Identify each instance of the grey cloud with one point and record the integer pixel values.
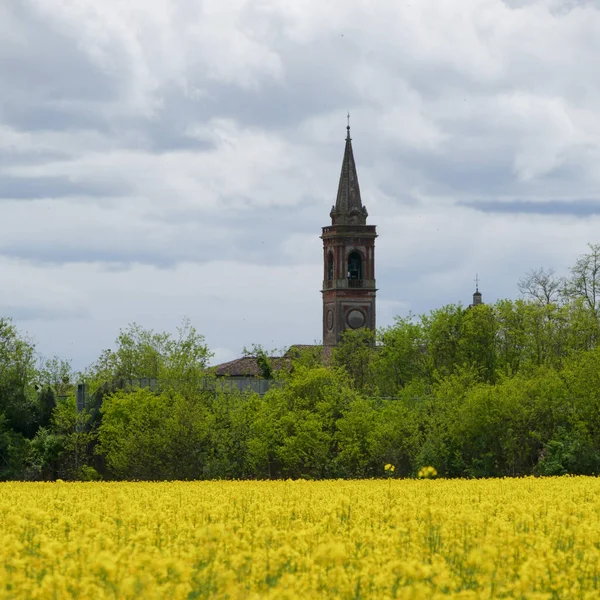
(43, 313)
(249, 241)
(122, 257)
(575, 208)
(10, 158)
(25, 114)
(47, 79)
(59, 254)
(278, 106)
(28, 188)
(457, 176)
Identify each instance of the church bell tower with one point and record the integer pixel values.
(348, 259)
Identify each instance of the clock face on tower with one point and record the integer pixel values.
(355, 319)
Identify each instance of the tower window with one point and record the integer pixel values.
(354, 266)
(330, 266)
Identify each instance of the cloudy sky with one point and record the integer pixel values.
(170, 158)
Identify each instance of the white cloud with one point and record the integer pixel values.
(162, 158)
(238, 168)
(148, 45)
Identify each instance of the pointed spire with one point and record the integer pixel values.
(348, 207)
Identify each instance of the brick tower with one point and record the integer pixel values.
(348, 259)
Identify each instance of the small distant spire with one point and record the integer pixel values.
(477, 295)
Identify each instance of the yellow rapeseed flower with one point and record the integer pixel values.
(299, 539)
(427, 472)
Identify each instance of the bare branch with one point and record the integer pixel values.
(585, 278)
(542, 286)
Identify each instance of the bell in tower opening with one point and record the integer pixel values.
(349, 258)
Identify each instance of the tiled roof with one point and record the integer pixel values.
(248, 366)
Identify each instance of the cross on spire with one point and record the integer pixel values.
(477, 293)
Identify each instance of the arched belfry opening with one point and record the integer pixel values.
(330, 266)
(349, 256)
(355, 265)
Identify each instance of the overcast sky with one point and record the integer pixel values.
(170, 158)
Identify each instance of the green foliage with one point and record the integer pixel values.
(13, 448)
(505, 389)
(175, 362)
(354, 354)
(133, 435)
(354, 438)
(477, 343)
(150, 435)
(401, 357)
(311, 356)
(294, 431)
(57, 375)
(18, 402)
(87, 473)
(569, 452)
(44, 454)
(262, 358)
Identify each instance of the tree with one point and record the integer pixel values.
(511, 338)
(229, 422)
(542, 286)
(442, 333)
(310, 356)
(293, 430)
(13, 451)
(477, 344)
(186, 359)
(58, 375)
(263, 360)
(355, 353)
(585, 278)
(133, 436)
(178, 362)
(401, 356)
(397, 435)
(78, 439)
(47, 404)
(18, 400)
(44, 454)
(353, 437)
(147, 434)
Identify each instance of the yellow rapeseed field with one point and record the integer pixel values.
(519, 538)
